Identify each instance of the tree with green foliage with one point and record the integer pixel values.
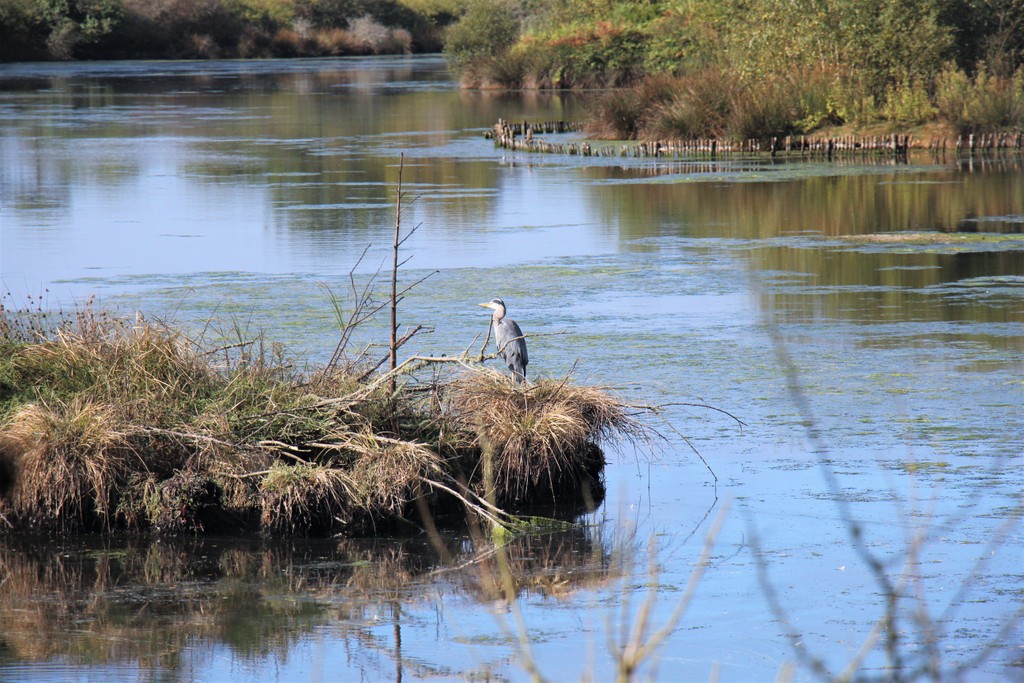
(486, 31)
(23, 30)
(126, 29)
(57, 29)
(989, 32)
(782, 66)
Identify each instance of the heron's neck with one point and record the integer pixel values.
(498, 315)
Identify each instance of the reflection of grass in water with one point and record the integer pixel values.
(152, 603)
(921, 467)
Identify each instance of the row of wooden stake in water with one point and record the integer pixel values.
(523, 136)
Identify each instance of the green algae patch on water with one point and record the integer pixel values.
(922, 467)
(938, 242)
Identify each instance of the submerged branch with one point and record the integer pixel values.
(493, 518)
(700, 405)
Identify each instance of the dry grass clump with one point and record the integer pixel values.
(390, 473)
(370, 479)
(69, 459)
(304, 498)
(545, 436)
(143, 368)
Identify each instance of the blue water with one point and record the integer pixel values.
(879, 384)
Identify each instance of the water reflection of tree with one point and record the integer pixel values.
(133, 602)
(766, 202)
(802, 235)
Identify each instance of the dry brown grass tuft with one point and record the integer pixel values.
(388, 474)
(372, 477)
(69, 459)
(544, 435)
(141, 368)
(305, 499)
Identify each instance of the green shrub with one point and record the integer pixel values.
(586, 53)
(986, 103)
(487, 30)
(999, 102)
(514, 69)
(953, 92)
(699, 108)
(23, 30)
(266, 14)
(908, 104)
(68, 29)
(852, 101)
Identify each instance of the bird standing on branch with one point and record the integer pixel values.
(509, 338)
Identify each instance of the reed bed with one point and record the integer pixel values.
(109, 424)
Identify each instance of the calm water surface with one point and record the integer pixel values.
(880, 382)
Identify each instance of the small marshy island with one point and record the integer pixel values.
(110, 424)
(115, 424)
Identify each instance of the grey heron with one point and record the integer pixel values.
(509, 338)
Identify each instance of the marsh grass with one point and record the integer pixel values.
(699, 107)
(714, 102)
(67, 459)
(628, 112)
(129, 424)
(542, 435)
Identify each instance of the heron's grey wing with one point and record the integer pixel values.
(519, 345)
(513, 347)
(503, 337)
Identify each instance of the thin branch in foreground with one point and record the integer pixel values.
(640, 647)
(706, 406)
(656, 410)
(781, 616)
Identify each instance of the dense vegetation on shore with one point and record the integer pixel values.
(680, 68)
(757, 68)
(202, 29)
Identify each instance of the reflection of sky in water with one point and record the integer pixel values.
(154, 217)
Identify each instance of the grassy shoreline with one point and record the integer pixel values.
(759, 69)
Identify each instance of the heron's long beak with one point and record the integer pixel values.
(487, 305)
